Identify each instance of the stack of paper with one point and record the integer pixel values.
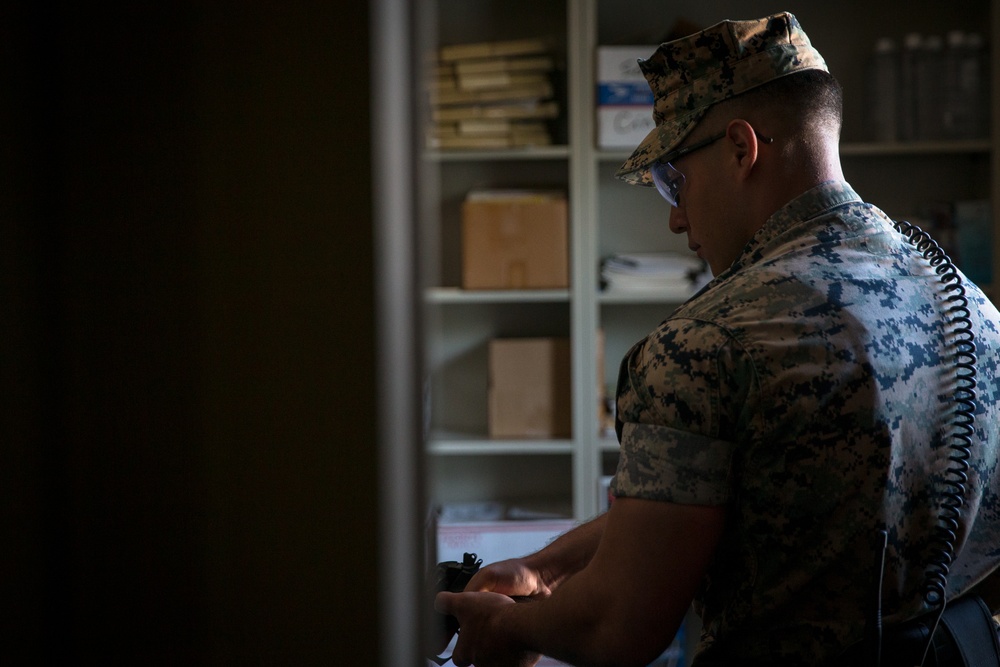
(665, 272)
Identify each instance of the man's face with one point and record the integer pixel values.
(705, 210)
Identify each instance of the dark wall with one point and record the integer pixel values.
(188, 471)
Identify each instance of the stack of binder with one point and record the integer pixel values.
(491, 95)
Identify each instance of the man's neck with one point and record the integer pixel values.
(813, 164)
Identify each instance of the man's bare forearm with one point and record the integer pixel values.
(617, 603)
(569, 553)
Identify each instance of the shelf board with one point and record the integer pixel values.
(528, 153)
(872, 148)
(456, 295)
(614, 155)
(464, 444)
(644, 296)
(916, 147)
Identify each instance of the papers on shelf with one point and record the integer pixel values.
(667, 271)
(493, 511)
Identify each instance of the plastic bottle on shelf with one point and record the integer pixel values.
(980, 74)
(908, 68)
(956, 113)
(930, 93)
(966, 85)
(883, 91)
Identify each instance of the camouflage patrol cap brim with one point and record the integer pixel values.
(689, 75)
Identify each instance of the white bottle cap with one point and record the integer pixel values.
(885, 45)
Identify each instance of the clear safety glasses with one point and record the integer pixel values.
(668, 180)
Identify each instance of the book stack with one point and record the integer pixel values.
(491, 95)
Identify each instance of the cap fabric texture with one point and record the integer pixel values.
(690, 74)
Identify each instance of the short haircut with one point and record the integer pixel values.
(811, 97)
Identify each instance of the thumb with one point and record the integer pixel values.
(444, 602)
(483, 581)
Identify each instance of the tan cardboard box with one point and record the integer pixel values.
(515, 239)
(529, 388)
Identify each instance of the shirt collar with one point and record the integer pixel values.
(810, 204)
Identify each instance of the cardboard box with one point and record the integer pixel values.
(624, 99)
(515, 240)
(529, 388)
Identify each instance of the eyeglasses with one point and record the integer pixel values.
(668, 180)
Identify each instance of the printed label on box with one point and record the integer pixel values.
(624, 93)
(623, 127)
(621, 63)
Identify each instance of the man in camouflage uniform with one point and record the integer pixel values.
(777, 423)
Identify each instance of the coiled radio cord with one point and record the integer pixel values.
(956, 476)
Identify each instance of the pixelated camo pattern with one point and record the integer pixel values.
(689, 75)
(808, 388)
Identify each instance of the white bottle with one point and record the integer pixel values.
(930, 91)
(966, 98)
(883, 92)
(976, 81)
(908, 73)
(956, 112)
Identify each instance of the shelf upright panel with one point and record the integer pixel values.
(916, 148)
(582, 36)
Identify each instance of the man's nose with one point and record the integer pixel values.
(678, 222)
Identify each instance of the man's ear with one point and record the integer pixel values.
(743, 142)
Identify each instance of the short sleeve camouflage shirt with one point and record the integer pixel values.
(809, 389)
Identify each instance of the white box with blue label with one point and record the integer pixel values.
(624, 100)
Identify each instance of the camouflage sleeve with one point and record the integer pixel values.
(683, 396)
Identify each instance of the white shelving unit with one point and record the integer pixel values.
(607, 216)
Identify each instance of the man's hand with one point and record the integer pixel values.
(512, 578)
(481, 638)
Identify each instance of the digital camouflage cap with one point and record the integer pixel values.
(689, 75)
